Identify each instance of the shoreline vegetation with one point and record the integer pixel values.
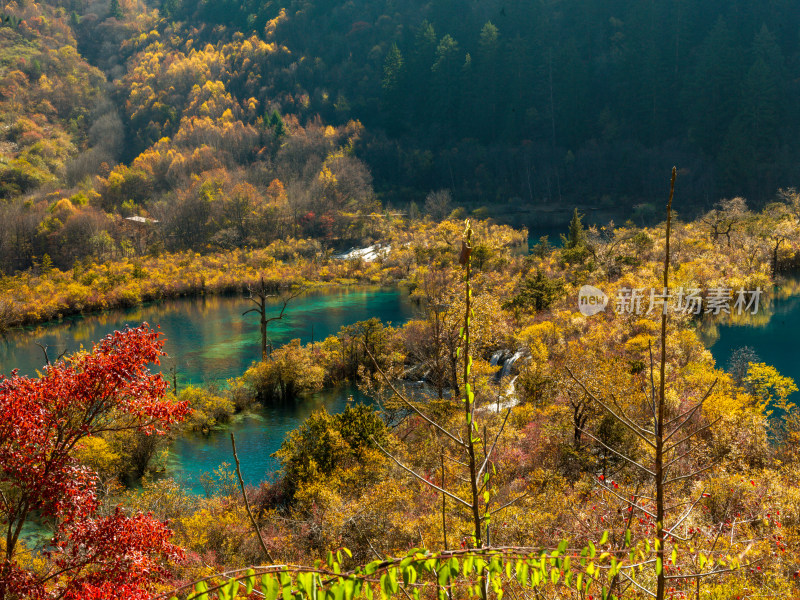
(44, 293)
(525, 336)
(527, 292)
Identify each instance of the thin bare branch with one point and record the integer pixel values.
(494, 443)
(689, 413)
(410, 405)
(645, 590)
(624, 420)
(622, 456)
(509, 503)
(695, 432)
(628, 502)
(690, 475)
(247, 503)
(421, 478)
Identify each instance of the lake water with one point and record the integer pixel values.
(258, 434)
(209, 340)
(773, 333)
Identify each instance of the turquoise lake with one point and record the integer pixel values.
(208, 340)
(773, 334)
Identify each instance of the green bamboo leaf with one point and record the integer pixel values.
(286, 585)
(522, 573)
(604, 539)
(628, 537)
(250, 581)
(349, 589)
(386, 590)
(335, 593)
(269, 587)
(443, 575)
(200, 590)
(453, 564)
(658, 566)
(469, 563)
(409, 575)
(223, 593)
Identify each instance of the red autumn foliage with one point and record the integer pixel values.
(41, 420)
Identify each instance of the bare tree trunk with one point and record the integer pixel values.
(659, 454)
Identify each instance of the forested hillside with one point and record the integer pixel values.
(262, 120)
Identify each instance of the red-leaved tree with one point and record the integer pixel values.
(108, 389)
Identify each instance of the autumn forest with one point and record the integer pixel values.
(573, 227)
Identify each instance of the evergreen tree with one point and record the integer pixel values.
(577, 236)
(712, 92)
(393, 84)
(115, 10)
(447, 70)
(277, 125)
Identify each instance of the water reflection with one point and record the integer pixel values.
(258, 435)
(773, 333)
(208, 339)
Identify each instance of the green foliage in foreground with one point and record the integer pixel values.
(470, 572)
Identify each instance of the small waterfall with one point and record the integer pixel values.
(496, 358)
(511, 390)
(510, 363)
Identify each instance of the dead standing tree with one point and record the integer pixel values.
(259, 296)
(668, 438)
(473, 448)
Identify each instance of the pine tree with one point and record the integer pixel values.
(277, 125)
(577, 236)
(393, 84)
